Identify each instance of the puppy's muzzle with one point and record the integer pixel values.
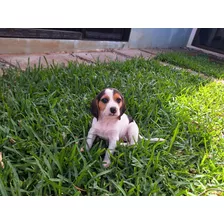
(113, 110)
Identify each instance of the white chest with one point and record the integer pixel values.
(106, 130)
(110, 128)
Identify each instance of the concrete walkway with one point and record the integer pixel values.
(91, 57)
(87, 57)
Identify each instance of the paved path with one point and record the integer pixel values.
(87, 57)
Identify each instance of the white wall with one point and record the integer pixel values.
(159, 37)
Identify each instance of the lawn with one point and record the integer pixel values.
(199, 62)
(44, 120)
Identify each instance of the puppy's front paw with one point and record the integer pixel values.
(106, 163)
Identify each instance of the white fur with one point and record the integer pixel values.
(112, 129)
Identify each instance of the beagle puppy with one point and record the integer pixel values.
(111, 123)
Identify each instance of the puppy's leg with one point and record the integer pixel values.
(133, 133)
(111, 148)
(90, 139)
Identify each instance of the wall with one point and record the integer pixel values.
(32, 46)
(139, 38)
(159, 37)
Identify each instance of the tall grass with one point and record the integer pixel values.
(44, 119)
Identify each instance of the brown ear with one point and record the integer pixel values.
(94, 105)
(122, 109)
(94, 108)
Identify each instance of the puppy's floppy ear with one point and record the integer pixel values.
(123, 108)
(94, 108)
(94, 105)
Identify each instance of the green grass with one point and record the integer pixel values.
(44, 120)
(199, 63)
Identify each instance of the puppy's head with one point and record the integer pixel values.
(108, 103)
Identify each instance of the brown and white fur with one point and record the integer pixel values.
(111, 123)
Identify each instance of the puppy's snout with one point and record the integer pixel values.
(113, 110)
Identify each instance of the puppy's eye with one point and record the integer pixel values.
(104, 100)
(118, 100)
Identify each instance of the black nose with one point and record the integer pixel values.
(113, 110)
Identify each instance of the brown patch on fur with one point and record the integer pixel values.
(95, 104)
(118, 96)
(122, 105)
(102, 105)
